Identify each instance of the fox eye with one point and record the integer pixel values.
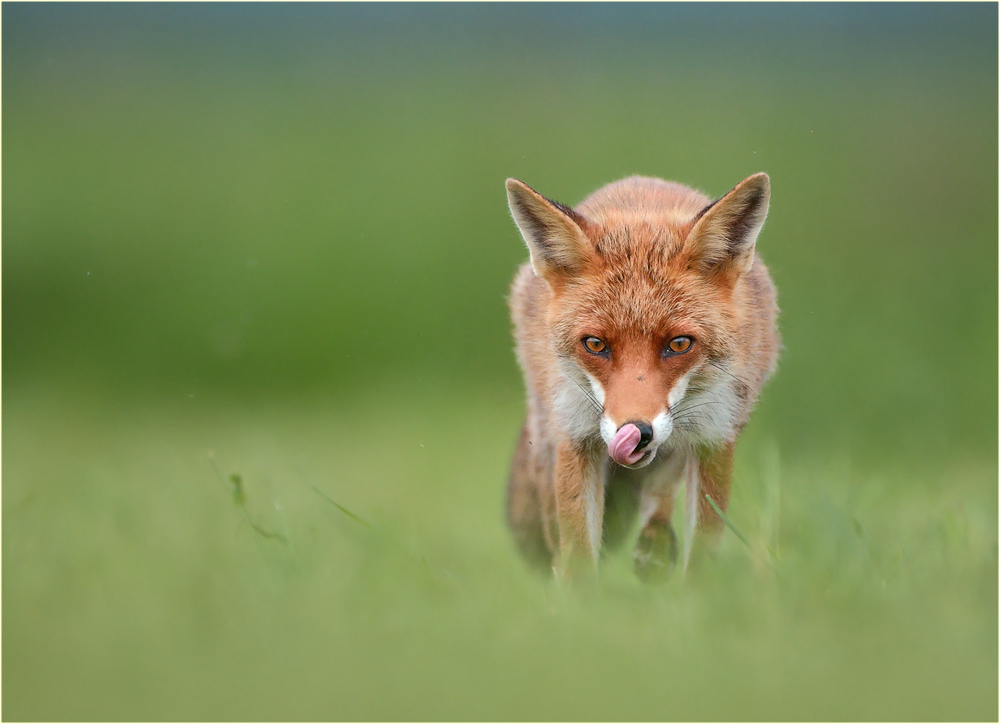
(678, 345)
(595, 346)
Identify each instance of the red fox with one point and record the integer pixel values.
(645, 325)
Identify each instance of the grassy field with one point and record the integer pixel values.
(259, 397)
(135, 587)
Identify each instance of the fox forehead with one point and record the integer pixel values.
(638, 276)
(640, 200)
(630, 300)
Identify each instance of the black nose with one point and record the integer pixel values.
(645, 431)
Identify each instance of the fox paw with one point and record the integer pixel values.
(655, 554)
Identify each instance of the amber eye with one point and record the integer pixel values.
(679, 345)
(594, 345)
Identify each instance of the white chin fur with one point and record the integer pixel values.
(663, 425)
(608, 429)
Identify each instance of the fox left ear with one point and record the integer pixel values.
(724, 234)
(554, 233)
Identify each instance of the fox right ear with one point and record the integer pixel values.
(725, 233)
(554, 233)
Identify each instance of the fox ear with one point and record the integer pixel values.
(554, 233)
(724, 234)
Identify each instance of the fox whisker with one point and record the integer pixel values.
(735, 377)
(598, 407)
(587, 393)
(682, 408)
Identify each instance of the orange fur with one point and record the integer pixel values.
(638, 263)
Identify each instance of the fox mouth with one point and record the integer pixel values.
(629, 449)
(645, 458)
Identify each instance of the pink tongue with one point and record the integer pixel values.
(622, 448)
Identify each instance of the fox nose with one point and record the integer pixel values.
(645, 432)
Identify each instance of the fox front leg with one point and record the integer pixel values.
(715, 477)
(655, 554)
(710, 475)
(579, 488)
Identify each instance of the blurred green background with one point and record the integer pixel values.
(272, 241)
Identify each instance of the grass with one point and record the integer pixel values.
(137, 587)
(259, 397)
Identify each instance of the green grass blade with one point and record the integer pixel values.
(772, 561)
(235, 485)
(341, 508)
(728, 522)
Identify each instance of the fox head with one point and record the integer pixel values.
(642, 317)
